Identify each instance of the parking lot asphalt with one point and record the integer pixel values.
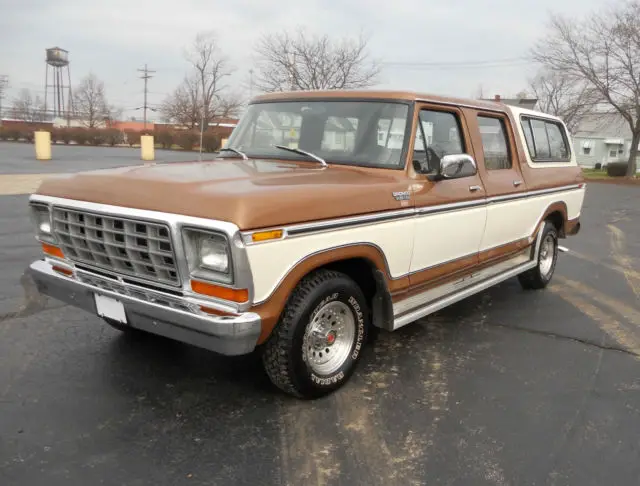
(19, 158)
(509, 387)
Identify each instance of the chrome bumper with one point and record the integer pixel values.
(230, 335)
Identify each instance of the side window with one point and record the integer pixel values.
(546, 140)
(528, 135)
(540, 139)
(439, 134)
(557, 144)
(495, 143)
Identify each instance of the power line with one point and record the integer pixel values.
(146, 76)
(496, 63)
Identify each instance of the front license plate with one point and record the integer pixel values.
(110, 308)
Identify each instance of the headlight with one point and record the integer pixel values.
(42, 220)
(208, 255)
(213, 254)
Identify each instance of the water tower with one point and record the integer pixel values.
(61, 102)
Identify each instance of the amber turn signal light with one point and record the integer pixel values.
(224, 293)
(64, 271)
(51, 250)
(267, 235)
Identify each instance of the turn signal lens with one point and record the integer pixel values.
(214, 312)
(224, 293)
(63, 270)
(51, 250)
(267, 235)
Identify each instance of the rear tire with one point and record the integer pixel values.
(317, 343)
(539, 276)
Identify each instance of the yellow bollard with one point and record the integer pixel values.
(43, 145)
(223, 142)
(146, 147)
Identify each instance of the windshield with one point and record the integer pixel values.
(365, 133)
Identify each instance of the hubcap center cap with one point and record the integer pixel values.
(331, 337)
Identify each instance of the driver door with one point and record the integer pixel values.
(452, 213)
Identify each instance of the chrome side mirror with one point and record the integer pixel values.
(456, 166)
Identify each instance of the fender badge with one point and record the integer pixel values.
(402, 196)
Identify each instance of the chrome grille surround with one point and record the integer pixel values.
(132, 247)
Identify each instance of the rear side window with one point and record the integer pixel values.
(494, 143)
(546, 140)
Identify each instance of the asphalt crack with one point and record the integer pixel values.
(586, 342)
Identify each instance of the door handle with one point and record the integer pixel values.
(474, 188)
(517, 183)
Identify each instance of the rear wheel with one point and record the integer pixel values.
(539, 276)
(317, 343)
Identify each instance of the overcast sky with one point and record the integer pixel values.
(114, 38)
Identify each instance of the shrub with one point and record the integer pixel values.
(28, 135)
(79, 136)
(617, 169)
(113, 136)
(164, 138)
(96, 136)
(187, 139)
(12, 133)
(133, 137)
(65, 135)
(3, 133)
(598, 166)
(210, 142)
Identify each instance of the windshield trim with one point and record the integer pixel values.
(407, 131)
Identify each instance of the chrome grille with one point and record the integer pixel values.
(140, 249)
(139, 293)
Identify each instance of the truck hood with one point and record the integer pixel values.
(251, 194)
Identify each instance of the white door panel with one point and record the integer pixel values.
(513, 220)
(448, 236)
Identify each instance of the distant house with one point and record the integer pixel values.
(602, 139)
(522, 102)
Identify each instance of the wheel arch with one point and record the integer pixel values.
(365, 263)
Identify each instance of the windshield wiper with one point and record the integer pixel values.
(303, 152)
(235, 151)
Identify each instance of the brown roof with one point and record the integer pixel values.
(377, 95)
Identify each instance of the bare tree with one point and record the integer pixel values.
(90, 102)
(28, 108)
(202, 95)
(300, 62)
(571, 99)
(603, 50)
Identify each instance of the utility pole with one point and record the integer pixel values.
(146, 76)
(4, 82)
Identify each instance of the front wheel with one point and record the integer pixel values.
(317, 343)
(539, 276)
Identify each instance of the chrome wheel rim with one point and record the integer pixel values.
(547, 255)
(329, 338)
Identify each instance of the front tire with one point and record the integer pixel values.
(539, 276)
(317, 343)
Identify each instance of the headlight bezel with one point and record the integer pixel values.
(191, 239)
(38, 218)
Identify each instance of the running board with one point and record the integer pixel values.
(452, 298)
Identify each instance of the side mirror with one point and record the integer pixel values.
(456, 166)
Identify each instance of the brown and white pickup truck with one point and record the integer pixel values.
(328, 215)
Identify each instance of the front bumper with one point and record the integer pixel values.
(230, 335)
